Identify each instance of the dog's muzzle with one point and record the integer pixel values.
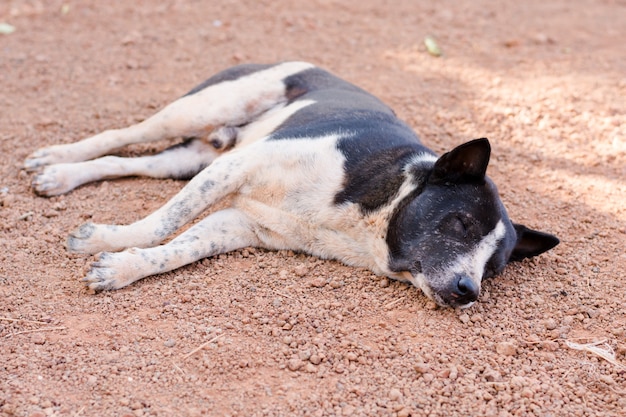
(463, 292)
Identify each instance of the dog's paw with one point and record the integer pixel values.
(44, 157)
(112, 271)
(53, 180)
(91, 238)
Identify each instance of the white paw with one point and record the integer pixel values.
(112, 271)
(53, 180)
(91, 238)
(44, 157)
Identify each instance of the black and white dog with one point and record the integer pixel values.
(313, 164)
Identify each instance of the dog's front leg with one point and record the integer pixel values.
(212, 184)
(220, 232)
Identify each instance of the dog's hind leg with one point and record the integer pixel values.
(224, 176)
(220, 232)
(234, 97)
(181, 161)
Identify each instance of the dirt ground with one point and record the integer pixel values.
(256, 333)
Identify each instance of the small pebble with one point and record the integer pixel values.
(465, 318)
(421, 368)
(506, 348)
(301, 270)
(394, 394)
(335, 284)
(404, 412)
(294, 364)
(550, 324)
(318, 282)
(315, 359)
(347, 410)
(170, 343)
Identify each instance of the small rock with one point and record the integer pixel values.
(421, 368)
(550, 346)
(476, 318)
(39, 339)
(305, 355)
(318, 282)
(301, 270)
(294, 364)
(335, 284)
(170, 343)
(506, 349)
(383, 283)
(454, 373)
(315, 359)
(527, 393)
(518, 381)
(550, 324)
(491, 375)
(465, 318)
(347, 410)
(404, 412)
(394, 394)
(607, 379)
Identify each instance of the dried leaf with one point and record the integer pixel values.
(6, 29)
(431, 46)
(599, 348)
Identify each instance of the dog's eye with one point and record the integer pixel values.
(458, 226)
(455, 225)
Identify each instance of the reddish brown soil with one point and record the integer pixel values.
(257, 333)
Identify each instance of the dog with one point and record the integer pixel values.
(314, 164)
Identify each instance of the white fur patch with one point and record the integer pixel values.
(473, 263)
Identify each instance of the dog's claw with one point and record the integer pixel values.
(101, 276)
(80, 240)
(50, 182)
(110, 271)
(38, 159)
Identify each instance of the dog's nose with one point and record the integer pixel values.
(466, 291)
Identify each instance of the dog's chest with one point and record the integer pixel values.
(290, 193)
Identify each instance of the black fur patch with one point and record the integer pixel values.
(230, 74)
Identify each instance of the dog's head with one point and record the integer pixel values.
(454, 231)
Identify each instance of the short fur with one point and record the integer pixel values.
(314, 164)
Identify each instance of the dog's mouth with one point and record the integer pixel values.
(453, 301)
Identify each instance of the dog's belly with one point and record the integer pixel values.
(290, 195)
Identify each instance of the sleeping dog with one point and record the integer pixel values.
(313, 164)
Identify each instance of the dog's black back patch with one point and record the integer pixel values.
(374, 142)
(230, 74)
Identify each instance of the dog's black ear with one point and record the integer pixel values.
(465, 163)
(531, 243)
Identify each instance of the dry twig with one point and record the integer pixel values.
(46, 329)
(202, 346)
(24, 320)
